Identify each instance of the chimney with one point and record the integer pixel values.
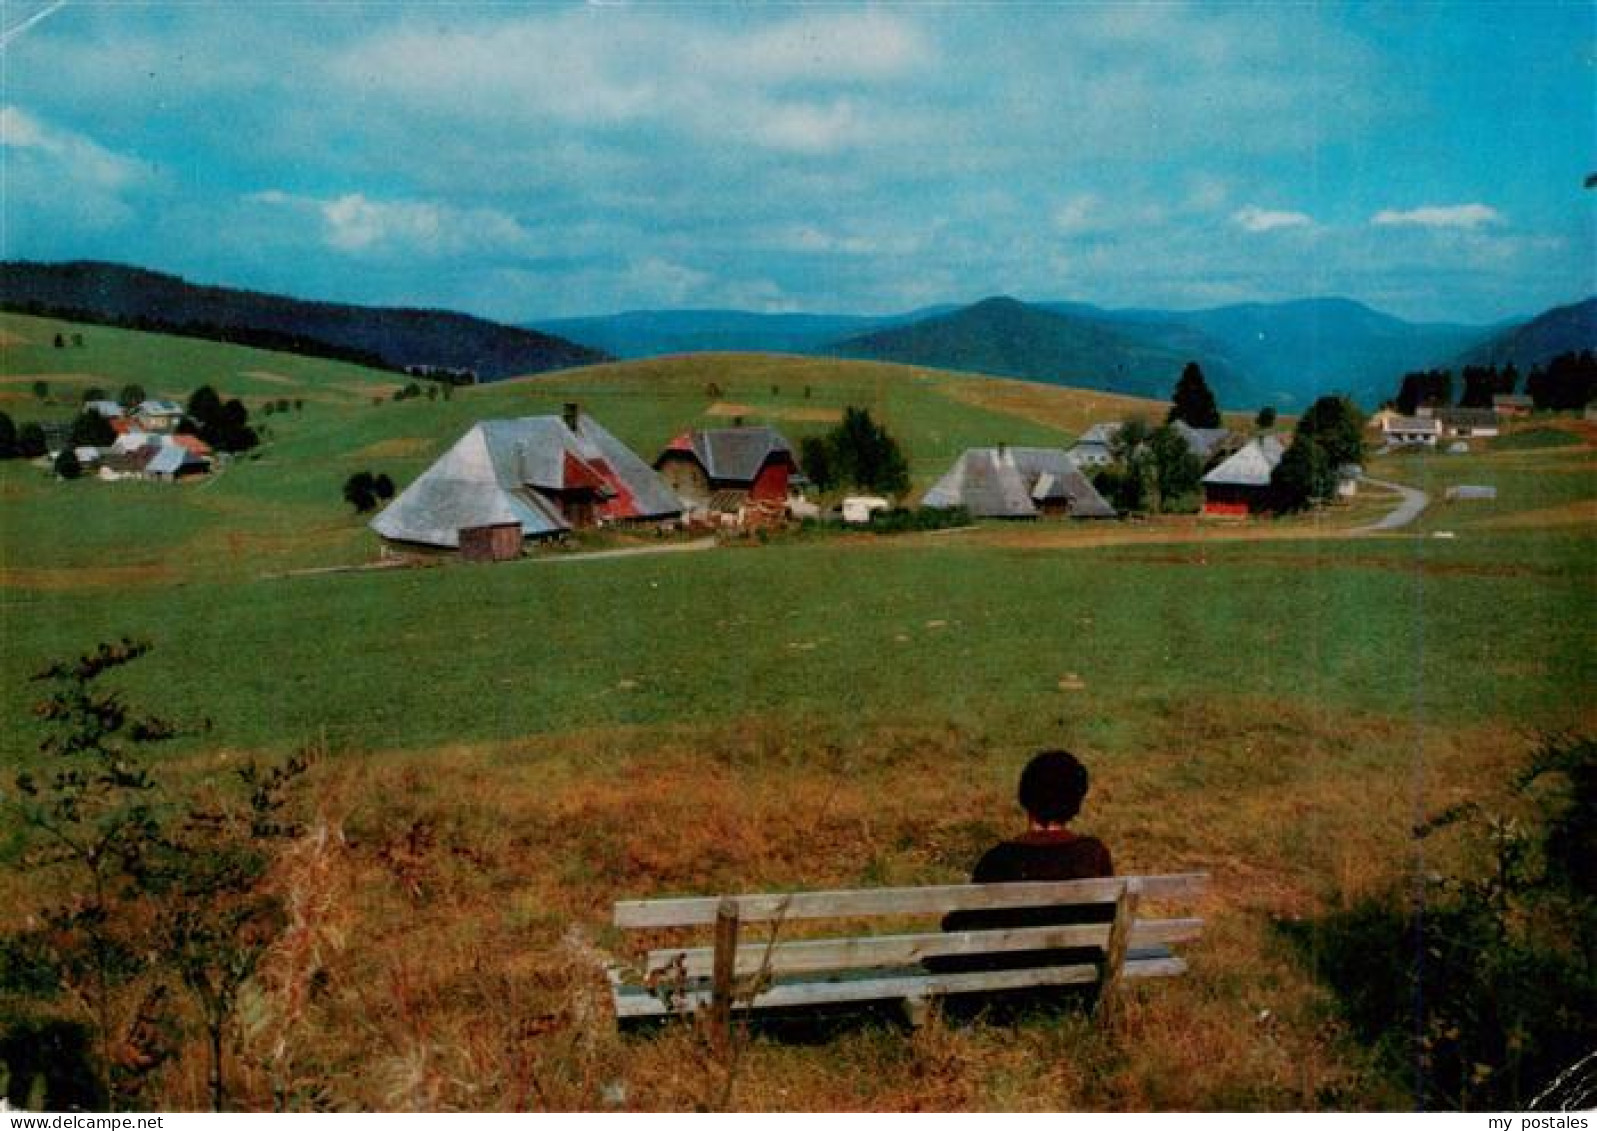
(570, 415)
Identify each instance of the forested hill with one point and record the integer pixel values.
(390, 337)
(1009, 338)
(1563, 329)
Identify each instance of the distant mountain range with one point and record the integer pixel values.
(659, 333)
(389, 337)
(1284, 354)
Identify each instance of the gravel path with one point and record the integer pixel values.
(1413, 504)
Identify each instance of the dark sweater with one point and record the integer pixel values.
(1042, 856)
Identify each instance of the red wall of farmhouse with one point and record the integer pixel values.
(770, 483)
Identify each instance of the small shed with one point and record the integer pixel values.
(858, 509)
(1512, 404)
(500, 542)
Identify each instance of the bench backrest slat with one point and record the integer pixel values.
(635, 1004)
(808, 956)
(699, 911)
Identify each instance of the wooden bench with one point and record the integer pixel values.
(746, 975)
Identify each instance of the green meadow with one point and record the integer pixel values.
(1275, 702)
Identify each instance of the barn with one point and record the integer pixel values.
(543, 475)
(1241, 485)
(722, 469)
(1005, 482)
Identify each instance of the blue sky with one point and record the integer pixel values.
(523, 161)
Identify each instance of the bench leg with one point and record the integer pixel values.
(721, 989)
(1114, 959)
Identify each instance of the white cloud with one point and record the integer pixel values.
(1078, 215)
(609, 71)
(1256, 219)
(83, 159)
(837, 47)
(355, 223)
(1467, 216)
(56, 179)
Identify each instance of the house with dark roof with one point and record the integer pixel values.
(1005, 482)
(537, 477)
(1467, 422)
(724, 469)
(1208, 443)
(1241, 484)
(1096, 447)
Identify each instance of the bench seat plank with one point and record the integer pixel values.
(701, 911)
(815, 955)
(636, 1002)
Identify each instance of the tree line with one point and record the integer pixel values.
(1567, 382)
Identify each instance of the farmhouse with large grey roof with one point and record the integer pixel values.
(540, 476)
(1241, 485)
(1005, 482)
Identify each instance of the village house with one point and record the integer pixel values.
(1401, 431)
(724, 470)
(1241, 484)
(506, 481)
(110, 410)
(1513, 404)
(1466, 423)
(1096, 446)
(156, 456)
(1023, 483)
(158, 415)
(1095, 449)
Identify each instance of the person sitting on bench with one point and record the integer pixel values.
(1052, 789)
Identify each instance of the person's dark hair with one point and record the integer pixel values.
(1052, 786)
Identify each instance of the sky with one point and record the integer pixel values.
(528, 161)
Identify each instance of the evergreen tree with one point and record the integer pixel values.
(815, 457)
(1266, 418)
(1433, 387)
(863, 455)
(1175, 470)
(1337, 426)
(1304, 476)
(67, 465)
(90, 429)
(1192, 401)
(8, 437)
(31, 443)
(132, 395)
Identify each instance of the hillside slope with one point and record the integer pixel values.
(1564, 329)
(394, 337)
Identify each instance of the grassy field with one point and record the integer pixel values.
(504, 751)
